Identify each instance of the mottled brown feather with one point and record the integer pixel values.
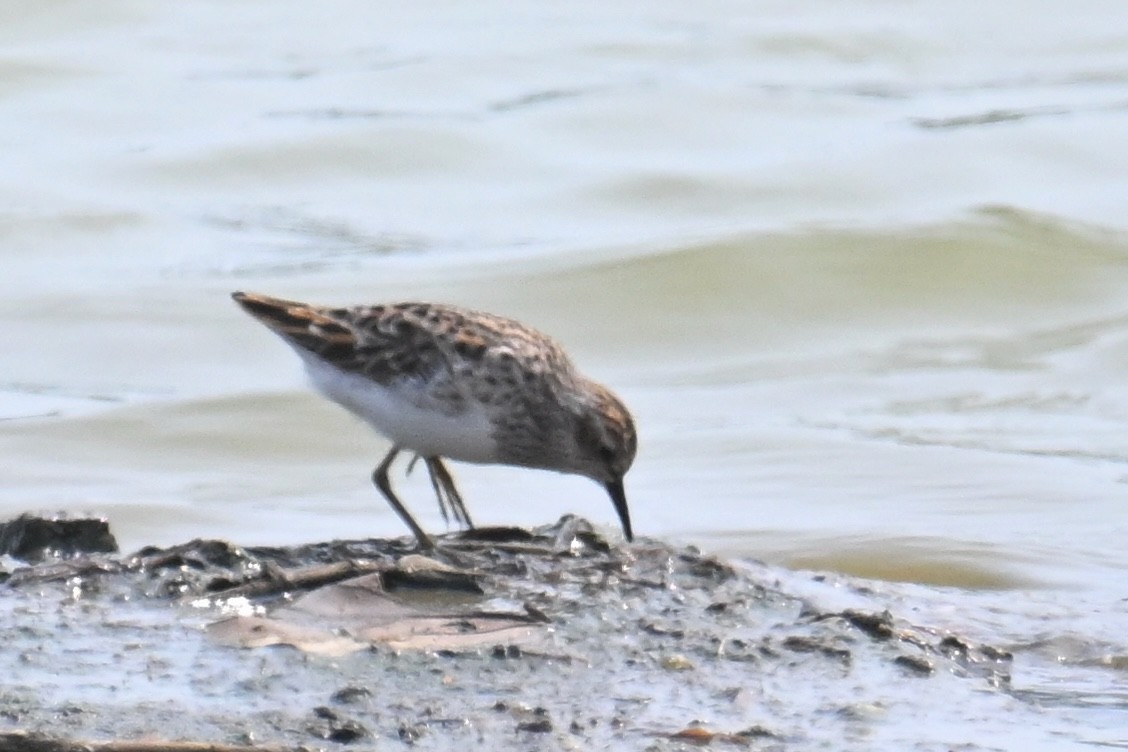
(542, 412)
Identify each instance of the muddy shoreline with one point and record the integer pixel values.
(509, 639)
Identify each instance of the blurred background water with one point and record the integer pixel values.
(858, 268)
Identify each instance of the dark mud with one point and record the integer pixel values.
(554, 639)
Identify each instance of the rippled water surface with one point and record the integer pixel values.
(859, 270)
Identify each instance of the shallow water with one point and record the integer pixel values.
(858, 270)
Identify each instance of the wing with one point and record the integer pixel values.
(458, 355)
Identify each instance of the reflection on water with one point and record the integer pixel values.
(942, 562)
(860, 276)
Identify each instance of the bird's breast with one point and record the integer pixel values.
(409, 415)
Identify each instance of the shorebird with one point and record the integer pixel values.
(441, 381)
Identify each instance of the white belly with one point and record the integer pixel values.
(398, 417)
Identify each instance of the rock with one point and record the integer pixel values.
(34, 538)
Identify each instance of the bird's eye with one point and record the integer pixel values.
(607, 454)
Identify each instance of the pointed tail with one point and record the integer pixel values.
(302, 325)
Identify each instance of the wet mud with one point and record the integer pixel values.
(500, 639)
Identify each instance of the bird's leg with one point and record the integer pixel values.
(380, 478)
(446, 509)
(447, 492)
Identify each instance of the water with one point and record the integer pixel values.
(858, 269)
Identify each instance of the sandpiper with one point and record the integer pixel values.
(446, 382)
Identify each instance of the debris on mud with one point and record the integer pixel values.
(500, 638)
(36, 538)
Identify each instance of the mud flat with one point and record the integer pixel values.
(506, 639)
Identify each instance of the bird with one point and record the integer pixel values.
(445, 382)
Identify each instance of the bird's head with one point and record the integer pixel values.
(606, 444)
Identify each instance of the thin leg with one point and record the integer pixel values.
(380, 478)
(447, 492)
(445, 508)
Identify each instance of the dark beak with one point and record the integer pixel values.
(619, 499)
